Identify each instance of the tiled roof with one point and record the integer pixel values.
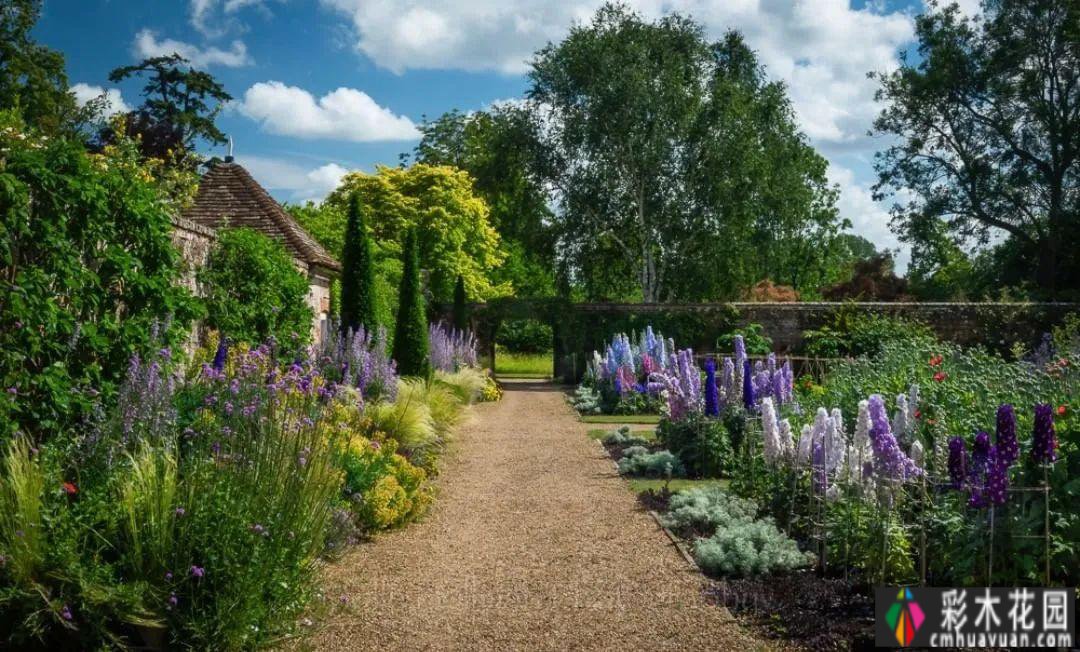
(228, 195)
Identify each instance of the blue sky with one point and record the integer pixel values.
(326, 86)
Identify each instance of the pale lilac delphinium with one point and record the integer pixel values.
(680, 383)
(450, 348)
(770, 431)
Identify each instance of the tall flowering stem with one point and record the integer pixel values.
(1044, 439)
(450, 348)
(712, 392)
(889, 460)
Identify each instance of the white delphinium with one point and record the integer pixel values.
(913, 403)
(900, 422)
(787, 439)
(833, 442)
(770, 432)
(918, 454)
(806, 443)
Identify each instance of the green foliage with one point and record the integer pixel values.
(22, 538)
(525, 336)
(407, 420)
(669, 151)
(852, 333)
(358, 290)
(703, 444)
(89, 266)
(254, 291)
(499, 149)
(411, 330)
(33, 82)
(757, 342)
(638, 460)
(460, 313)
(974, 141)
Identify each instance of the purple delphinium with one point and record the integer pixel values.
(681, 380)
(451, 348)
(712, 392)
(1044, 439)
(1008, 448)
(221, 355)
(981, 454)
(997, 478)
(748, 387)
(957, 462)
(889, 460)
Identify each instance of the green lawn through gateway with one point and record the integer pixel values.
(599, 433)
(523, 365)
(621, 418)
(638, 485)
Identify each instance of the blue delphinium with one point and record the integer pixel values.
(712, 392)
(749, 400)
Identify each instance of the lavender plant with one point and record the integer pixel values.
(451, 349)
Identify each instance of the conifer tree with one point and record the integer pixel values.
(357, 274)
(460, 315)
(411, 332)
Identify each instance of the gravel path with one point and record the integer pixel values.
(533, 543)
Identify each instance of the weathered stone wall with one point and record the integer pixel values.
(194, 242)
(319, 301)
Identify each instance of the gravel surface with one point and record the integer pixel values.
(533, 543)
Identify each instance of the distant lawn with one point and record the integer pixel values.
(598, 433)
(638, 485)
(621, 418)
(524, 365)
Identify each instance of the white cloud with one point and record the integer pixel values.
(295, 182)
(114, 102)
(344, 114)
(147, 45)
(868, 218)
(213, 18)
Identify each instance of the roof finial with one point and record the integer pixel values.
(229, 156)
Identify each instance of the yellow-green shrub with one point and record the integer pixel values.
(385, 489)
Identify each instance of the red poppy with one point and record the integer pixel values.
(936, 360)
(1062, 410)
(940, 376)
(918, 414)
(69, 488)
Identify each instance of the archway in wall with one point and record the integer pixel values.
(524, 348)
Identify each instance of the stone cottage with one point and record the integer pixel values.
(229, 196)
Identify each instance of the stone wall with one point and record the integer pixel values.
(194, 242)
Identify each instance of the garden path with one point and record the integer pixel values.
(533, 543)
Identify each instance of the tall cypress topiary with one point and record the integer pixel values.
(411, 332)
(461, 316)
(357, 273)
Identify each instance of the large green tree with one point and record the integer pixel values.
(179, 109)
(500, 149)
(677, 167)
(358, 290)
(33, 80)
(454, 231)
(986, 120)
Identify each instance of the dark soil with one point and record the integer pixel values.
(657, 500)
(802, 609)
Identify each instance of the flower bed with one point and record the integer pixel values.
(199, 510)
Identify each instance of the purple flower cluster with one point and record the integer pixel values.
(146, 397)
(359, 359)
(627, 365)
(988, 473)
(1044, 439)
(958, 462)
(680, 381)
(450, 348)
(764, 379)
(889, 460)
(1008, 447)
